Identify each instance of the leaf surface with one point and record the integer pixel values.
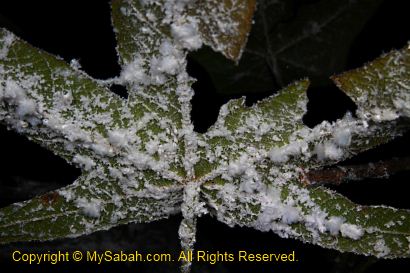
(90, 204)
(259, 182)
(142, 161)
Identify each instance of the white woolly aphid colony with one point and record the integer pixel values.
(142, 160)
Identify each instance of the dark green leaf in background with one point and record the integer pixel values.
(291, 40)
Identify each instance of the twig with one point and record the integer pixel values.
(339, 174)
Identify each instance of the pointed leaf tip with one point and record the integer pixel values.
(381, 88)
(227, 30)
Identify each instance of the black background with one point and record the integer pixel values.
(82, 30)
